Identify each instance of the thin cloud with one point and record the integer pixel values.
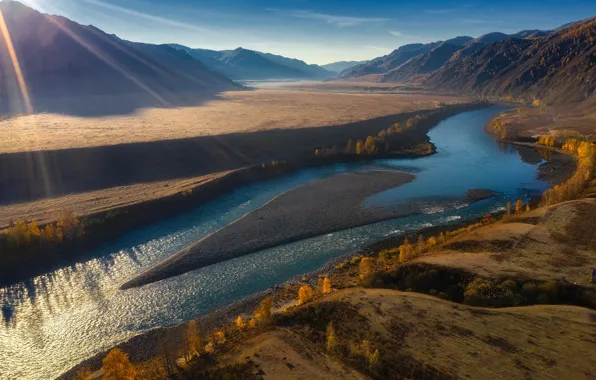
(396, 33)
(377, 48)
(339, 21)
(438, 11)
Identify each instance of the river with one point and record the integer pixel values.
(51, 322)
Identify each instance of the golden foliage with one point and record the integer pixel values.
(264, 311)
(305, 294)
(240, 323)
(547, 140)
(519, 207)
(117, 366)
(326, 286)
(365, 267)
(332, 340)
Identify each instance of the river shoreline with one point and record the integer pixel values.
(110, 224)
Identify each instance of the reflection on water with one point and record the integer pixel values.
(53, 321)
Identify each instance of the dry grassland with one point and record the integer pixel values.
(235, 111)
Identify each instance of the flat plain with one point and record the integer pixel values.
(231, 112)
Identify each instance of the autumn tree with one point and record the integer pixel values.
(84, 373)
(519, 207)
(528, 208)
(508, 208)
(326, 286)
(351, 147)
(191, 341)
(264, 311)
(332, 340)
(305, 294)
(370, 145)
(406, 251)
(240, 322)
(365, 267)
(117, 366)
(359, 147)
(252, 323)
(374, 358)
(168, 351)
(421, 245)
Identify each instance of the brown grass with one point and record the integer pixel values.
(466, 342)
(235, 111)
(547, 243)
(47, 210)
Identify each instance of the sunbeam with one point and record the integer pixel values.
(15, 64)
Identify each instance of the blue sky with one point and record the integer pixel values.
(316, 31)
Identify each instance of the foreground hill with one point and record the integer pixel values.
(60, 58)
(243, 64)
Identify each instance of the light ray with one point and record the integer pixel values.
(15, 64)
(109, 61)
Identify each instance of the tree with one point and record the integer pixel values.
(84, 373)
(305, 294)
(528, 208)
(421, 245)
(326, 286)
(359, 147)
(117, 366)
(252, 323)
(332, 341)
(508, 208)
(191, 340)
(264, 310)
(240, 323)
(34, 231)
(374, 358)
(370, 145)
(519, 207)
(365, 267)
(431, 242)
(351, 148)
(50, 232)
(405, 251)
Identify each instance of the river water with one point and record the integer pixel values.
(51, 322)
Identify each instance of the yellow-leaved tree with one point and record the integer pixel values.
(326, 286)
(332, 341)
(365, 268)
(305, 294)
(117, 366)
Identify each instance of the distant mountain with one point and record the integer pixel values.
(395, 59)
(314, 71)
(60, 58)
(338, 67)
(413, 62)
(558, 68)
(242, 64)
(425, 63)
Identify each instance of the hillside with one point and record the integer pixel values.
(243, 64)
(388, 62)
(425, 63)
(558, 68)
(60, 58)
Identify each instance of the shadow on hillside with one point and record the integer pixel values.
(109, 105)
(34, 175)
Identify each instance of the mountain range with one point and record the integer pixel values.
(556, 66)
(245, 64)
(57, 58)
